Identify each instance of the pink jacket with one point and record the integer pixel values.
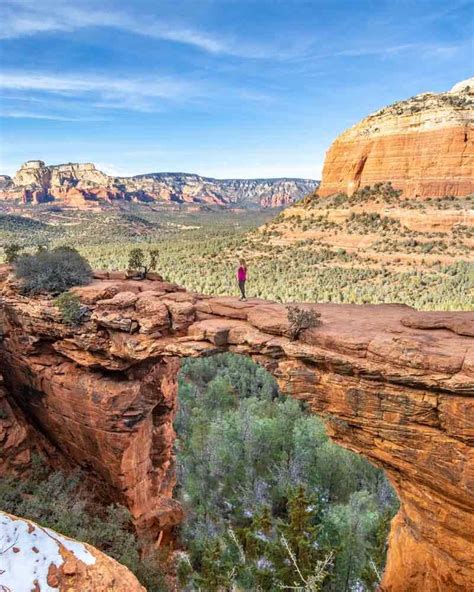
(242, 274)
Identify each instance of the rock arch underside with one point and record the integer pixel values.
(393, 384)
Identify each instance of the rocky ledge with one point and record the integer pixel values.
(393, 384)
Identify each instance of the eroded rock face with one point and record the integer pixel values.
(393, 384)
(82, 185)
(39, 559)
(424, 146)
(15, 445)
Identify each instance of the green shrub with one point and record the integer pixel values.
(70, 307)
(52, 271)
(12, 252)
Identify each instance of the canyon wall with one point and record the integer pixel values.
(393, 384)
(424, 146)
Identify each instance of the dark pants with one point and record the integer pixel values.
(242, 287)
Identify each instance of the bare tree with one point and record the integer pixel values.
(301, 319)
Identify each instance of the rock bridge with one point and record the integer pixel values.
(393, 384)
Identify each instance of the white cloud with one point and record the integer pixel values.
(383, 50)
(13, 114)
(23, 18)
(77, 84)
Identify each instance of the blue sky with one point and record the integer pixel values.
(225, 88)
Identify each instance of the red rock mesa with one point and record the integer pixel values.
(424, 146)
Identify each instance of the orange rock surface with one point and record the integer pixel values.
(15, 445)
(424, 146)
(393, 384)
(39, 559)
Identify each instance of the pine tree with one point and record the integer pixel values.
(257, 538)
(301, 535)
(212, 577)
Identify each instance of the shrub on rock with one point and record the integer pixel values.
(301, 319)
(141, 263)
(70, 307)
(52, 271)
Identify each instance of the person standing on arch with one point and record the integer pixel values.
(242, 278)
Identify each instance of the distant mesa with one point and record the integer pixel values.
(82, 186)
(423, 145)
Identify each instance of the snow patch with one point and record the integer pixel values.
(27, 551)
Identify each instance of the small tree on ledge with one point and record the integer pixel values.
(301, 319)
(142, 263)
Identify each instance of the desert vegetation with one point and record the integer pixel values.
(52, 271)
(337, 249)
(349, 249)
(70, 307)
(141, 262)
(270, 501)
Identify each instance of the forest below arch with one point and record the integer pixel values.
(270, 501)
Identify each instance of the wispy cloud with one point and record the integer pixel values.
(80, 96)
(13, 114)
(79, 83)
(22, 18)
(378, 50)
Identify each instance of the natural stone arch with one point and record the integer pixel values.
(393, 384)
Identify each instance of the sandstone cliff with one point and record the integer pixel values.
(39, 559)
(424, 146)
(80, 185)
(393, 384)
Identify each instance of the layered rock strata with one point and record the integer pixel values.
(423, 145)
(81, 185)
(393, 384)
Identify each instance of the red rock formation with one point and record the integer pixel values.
(82, 185)
(39, 559)
(393, 384)
(424, 146)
